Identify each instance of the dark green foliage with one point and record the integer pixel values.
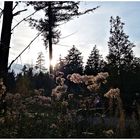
(23, 84)
(122, 64)
(120, 55)
(74, 62)
(28, 80)
(43, 81)
(95, 63)
(10, 81)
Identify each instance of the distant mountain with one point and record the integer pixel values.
(17, 68)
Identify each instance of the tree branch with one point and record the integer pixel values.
(68, 35)
(15, 5)
(18, 12)
(87, 11)
(24, 49)
(24, 19)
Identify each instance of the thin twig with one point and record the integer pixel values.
(15, 5)
(88, 11)
(23, 20)
(68, 35)
(63, 45)
(25, 49)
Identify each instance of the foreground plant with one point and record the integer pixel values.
(92, 82)
(2, 97)
(114, 96)
(62, 114)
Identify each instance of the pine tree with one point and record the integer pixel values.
(56, 13)
(74, 62)
(120, 57)
(40, 62)
(120, 48)
(95, 62)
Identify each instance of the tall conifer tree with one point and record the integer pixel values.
(74, 62)
(120, 55)
(95, 62)
(56, 13)
(40, 62)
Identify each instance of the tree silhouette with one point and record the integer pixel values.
(73, 62)
(11, 81)
(120, 57)
(120, 48)
(5, 37)
(40, 62)
(8, 14)
(56, 13)
(95, 62)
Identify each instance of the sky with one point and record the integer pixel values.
(87, 31)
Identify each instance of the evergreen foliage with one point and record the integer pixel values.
(120, 55)
(95, 62)
(56, 13)
(10, 81)
(121, 61)
(74, 62)
(40, 62)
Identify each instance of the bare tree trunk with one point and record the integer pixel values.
(50, 36)
(5, 37)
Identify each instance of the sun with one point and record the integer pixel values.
(53, 63)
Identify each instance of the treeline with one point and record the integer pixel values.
(121, 64)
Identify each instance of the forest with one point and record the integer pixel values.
(100, 99)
